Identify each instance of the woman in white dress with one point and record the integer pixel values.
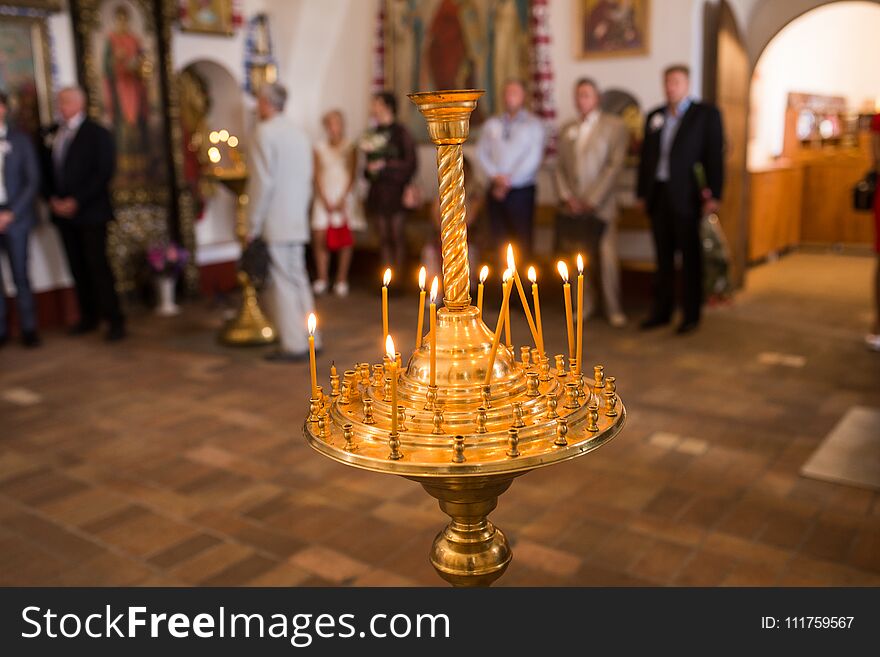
(334, 211)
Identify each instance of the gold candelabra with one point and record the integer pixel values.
(249, 326)
(487, 419)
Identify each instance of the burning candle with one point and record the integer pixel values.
(502, 314)
(313, 324)
(386, 281)
(566, 288)
(579, 352)
(511, 265)
(533, 277)
(433, 319)
(484, 274)
(392, 366)
(421, 324)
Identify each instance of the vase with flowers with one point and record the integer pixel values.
(167, 261)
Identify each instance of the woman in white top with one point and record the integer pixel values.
(334, 207)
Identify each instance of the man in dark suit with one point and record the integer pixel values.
(80, 161)
(19, 185)
(679, 136)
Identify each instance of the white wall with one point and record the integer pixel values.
(803, 58)
(676, 36)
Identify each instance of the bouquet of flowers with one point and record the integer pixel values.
(717, 286)
(374, 144)
(167, 259)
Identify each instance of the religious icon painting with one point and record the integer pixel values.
(456, 44)
(208, 16)
(611, 28)
(25, 70)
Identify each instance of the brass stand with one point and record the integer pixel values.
(464, 441)
(249, 327)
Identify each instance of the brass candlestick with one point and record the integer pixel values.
(465, 442)
(250, 326)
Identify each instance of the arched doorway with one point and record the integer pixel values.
(810, 97)
(756, 54)
(212, 99)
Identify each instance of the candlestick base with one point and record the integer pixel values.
(470, 551)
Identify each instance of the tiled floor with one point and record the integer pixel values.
(170, 460)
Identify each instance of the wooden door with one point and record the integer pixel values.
(726, 76)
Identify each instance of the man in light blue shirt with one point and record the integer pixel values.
(510, 150)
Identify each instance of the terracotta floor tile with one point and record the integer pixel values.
(704, 569)
(549, 560)
(58, 540)
(328, 564)
(186, 549)
(661, 563)
(210, 562)
(829, 540)
(147, 534)
(241, 572)
(283, 574)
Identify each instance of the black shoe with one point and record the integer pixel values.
(30, 339)
(82, 328)
(115, 333)
(687, 327)
(286, 357)
(653, 322)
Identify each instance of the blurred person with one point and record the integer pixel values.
(279, 189)
(334, 209)
(873, 338)
(390, 169)
(19, 185)
(80, 163)
(592, 151)
(678, 136)
(510, 150)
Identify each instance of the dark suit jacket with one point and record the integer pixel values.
(21, 177)
(85, 173)
(699, 138)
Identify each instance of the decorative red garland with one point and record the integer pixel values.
(542, 71)
(379, 51)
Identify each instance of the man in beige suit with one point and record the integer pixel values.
(592, 149)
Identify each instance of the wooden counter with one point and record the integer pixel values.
(808, 201)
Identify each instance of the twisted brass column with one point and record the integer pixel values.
(448, 115)
(453, 227)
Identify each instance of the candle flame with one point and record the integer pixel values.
(563, 270)
(533, 275)
(423, 273)
(386, 278)
(435, 284)
(580, 263)
(389, 348)
(511, 262)
(506, 276)
(313, 323)
(484, 274)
